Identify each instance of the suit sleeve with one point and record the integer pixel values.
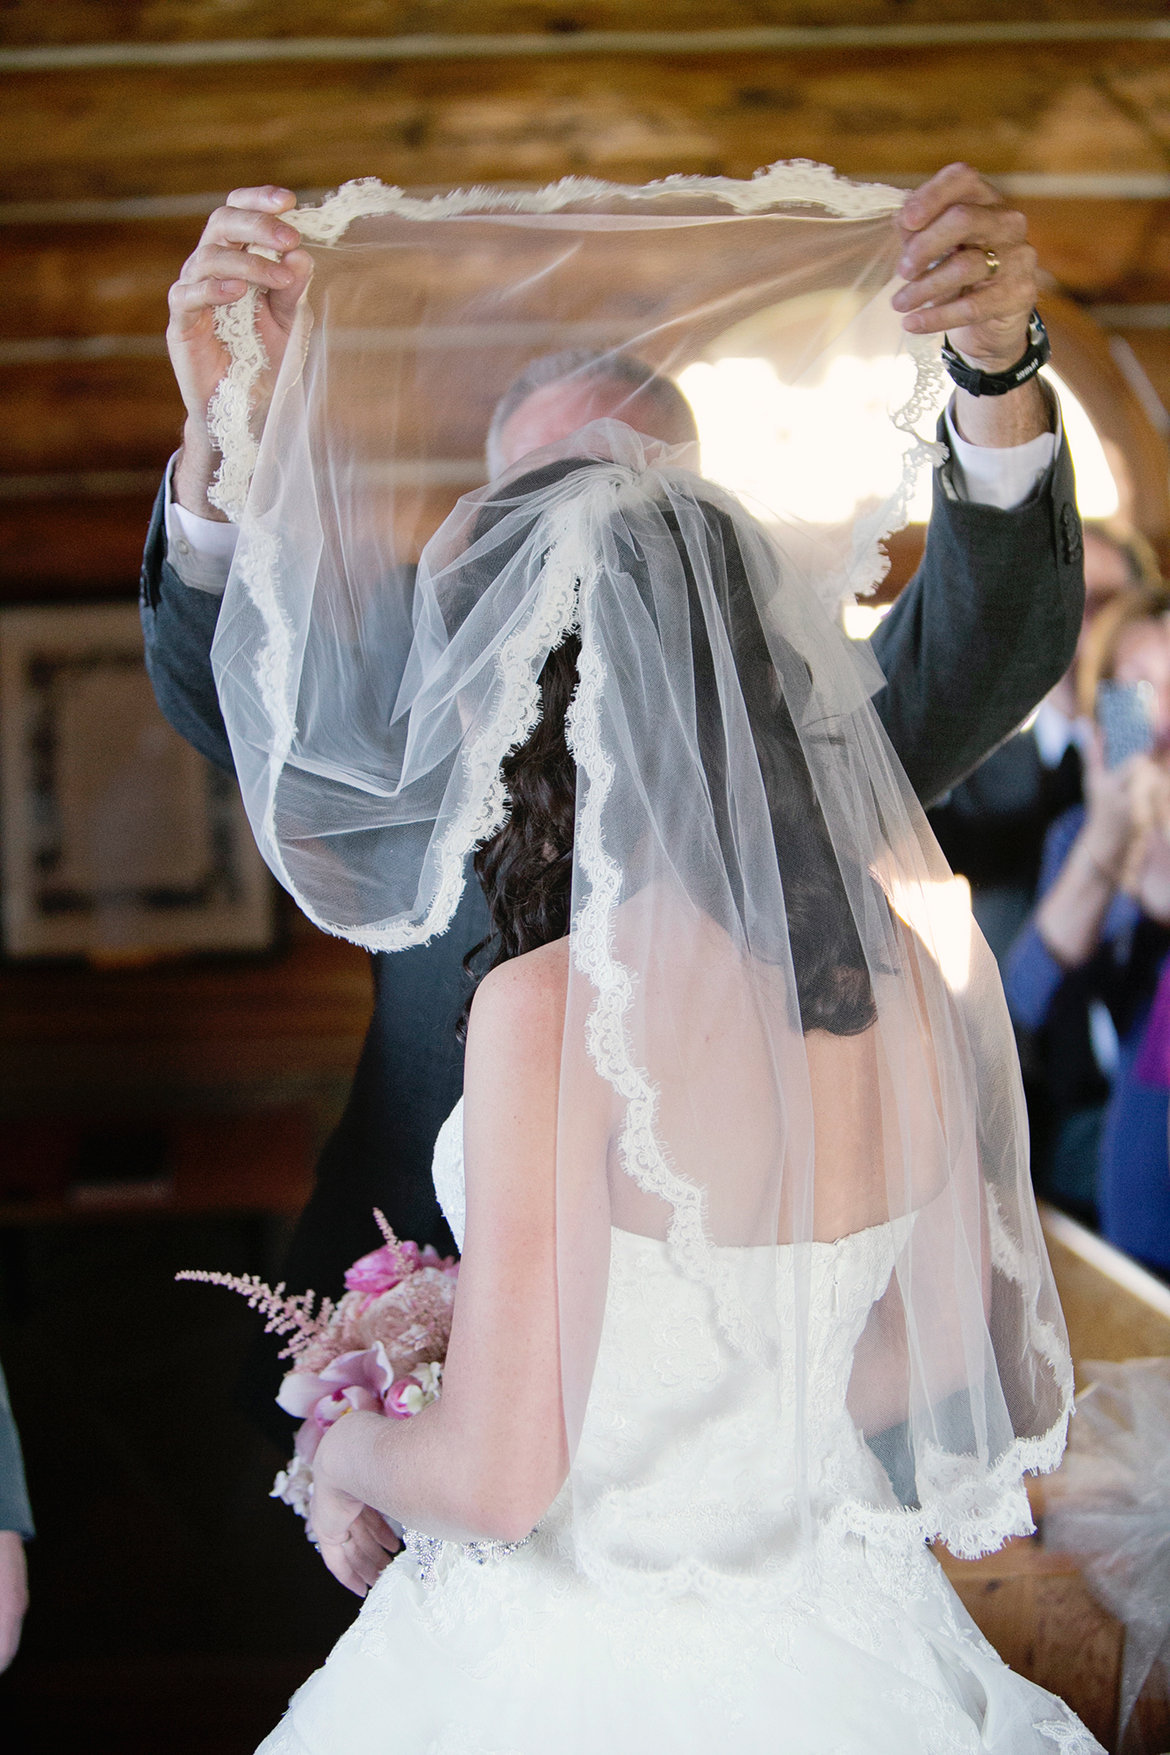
(178, 626)
(15, 1511)
(983, 630)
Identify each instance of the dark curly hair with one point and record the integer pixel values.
(526, 868)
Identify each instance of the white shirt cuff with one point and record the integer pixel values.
(199, 549)
(993, 475)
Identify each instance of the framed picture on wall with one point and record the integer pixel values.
(117, 839)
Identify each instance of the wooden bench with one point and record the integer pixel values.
(1031, 1602)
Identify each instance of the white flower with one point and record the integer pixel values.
(295, 1486)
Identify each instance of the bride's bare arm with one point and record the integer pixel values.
(487, 1459)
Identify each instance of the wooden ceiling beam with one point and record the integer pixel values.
(107, 283)
(557, 27)
(143, 133)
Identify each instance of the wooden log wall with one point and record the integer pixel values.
(122, 123)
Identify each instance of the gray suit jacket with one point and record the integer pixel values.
(983, 630)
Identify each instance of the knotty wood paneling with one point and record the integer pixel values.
(1103, 251)
(132, 132)
(88, 414)
(1152, 348)
(193, 1025)
(71, 546)
(81, 280)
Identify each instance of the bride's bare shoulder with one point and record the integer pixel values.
(520, 1005)
(511, 1075)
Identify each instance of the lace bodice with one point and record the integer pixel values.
(689, 1460)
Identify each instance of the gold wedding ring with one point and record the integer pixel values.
(992, 261)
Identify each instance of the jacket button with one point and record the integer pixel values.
(1070, 534)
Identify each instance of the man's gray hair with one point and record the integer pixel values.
(585, 366)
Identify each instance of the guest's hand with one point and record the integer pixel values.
(355, 1541)
(13, 1594)
(1114, 810)
(1126, 819)
(1152, 888)
(218, 272)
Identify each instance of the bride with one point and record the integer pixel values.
(753, 1302)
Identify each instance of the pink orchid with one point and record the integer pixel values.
(411, 1394)
(351, 1382)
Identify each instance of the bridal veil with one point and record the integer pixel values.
(779, 1035)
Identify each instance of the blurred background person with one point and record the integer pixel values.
(992, 825)
(992, 828)
(16, 1526)
(1082, 974)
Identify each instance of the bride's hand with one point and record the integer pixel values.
(355, 1541)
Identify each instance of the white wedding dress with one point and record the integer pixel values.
(510, 1651)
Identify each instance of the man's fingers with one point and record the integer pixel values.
(953, 184)
(1010, 288)
(241, 226)
(268, 197)
(962, 227)
(969, 310)
(190, 302)
(210, 262)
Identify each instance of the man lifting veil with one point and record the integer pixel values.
(978, 636)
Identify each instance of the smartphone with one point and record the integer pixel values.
(1125, 713)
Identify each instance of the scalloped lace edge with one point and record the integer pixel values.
(607, 1037)
(798, 182)
(801, 182)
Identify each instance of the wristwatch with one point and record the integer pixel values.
(978, 383)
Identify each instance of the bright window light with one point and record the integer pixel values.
(817, 452)
(1097, 495)
(813, 452)
(939, 912)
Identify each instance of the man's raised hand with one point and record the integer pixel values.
(948, 226)
(218, 272)
(971, 273)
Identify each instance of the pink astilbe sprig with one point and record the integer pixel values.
(284, 1312)
(378, 1349)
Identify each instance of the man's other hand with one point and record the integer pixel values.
(218, 272)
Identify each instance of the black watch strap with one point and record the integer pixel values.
(978, 383)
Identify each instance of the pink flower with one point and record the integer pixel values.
(410, 1395)
(355, 1381)
(382, 1268)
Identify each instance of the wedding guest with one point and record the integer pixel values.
(992, 825)
(16, 1526)
(992, 828)
(1097, 941)
(1135, 1150)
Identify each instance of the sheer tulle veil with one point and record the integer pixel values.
(777, 1034)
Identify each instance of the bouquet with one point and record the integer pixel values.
(380, 1349)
